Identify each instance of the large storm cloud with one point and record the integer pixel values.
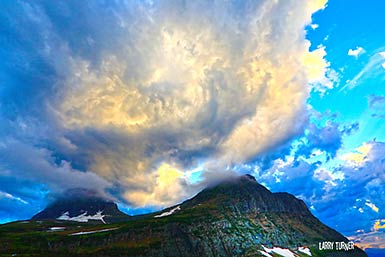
(133, 96)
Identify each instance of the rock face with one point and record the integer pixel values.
(234, 218)
(244, 196)
(82, 206)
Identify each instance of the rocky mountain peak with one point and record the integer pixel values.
(81, 205)
(245, 195)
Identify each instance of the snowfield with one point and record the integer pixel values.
(82, 217)
(167, 213)
(57, 228)
(265, 253)
(283, 252)
(92, 232)
(304, 250)
(280, 251)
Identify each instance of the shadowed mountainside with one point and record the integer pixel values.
(82, 206)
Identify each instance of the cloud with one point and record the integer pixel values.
(373, 239)
(321, 76)
(359, 156)
(356, 52)
(160, 193)
(297, 176)
(362, 186)
(376, 101)
(325, 138)
(19, 198)
(12, 197)
(36, 164)
(379, 224)
(372, 206)
(346, 187)
(372, 69)
(132, 95)
(314, 26)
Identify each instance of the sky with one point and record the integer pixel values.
(148, 102)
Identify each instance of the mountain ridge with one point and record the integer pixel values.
(82, 206)
(238, 217)
(246, 188)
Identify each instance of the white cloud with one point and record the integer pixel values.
(12, 197)
(359, 156)
(314, 26)
(163, 188)
(372, 206)
(372, 69)
(321, 77)
(356, 52)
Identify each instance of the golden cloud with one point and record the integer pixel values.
(192, 77)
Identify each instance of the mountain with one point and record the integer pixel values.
(238, 217)
(82, 205)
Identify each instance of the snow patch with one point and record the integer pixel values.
(82, 217)
(280, 251)
(57, 228)
(304, 250)
(265, 253)
(167, 213)
(92, 232)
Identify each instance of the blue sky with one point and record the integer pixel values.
(148, 102)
